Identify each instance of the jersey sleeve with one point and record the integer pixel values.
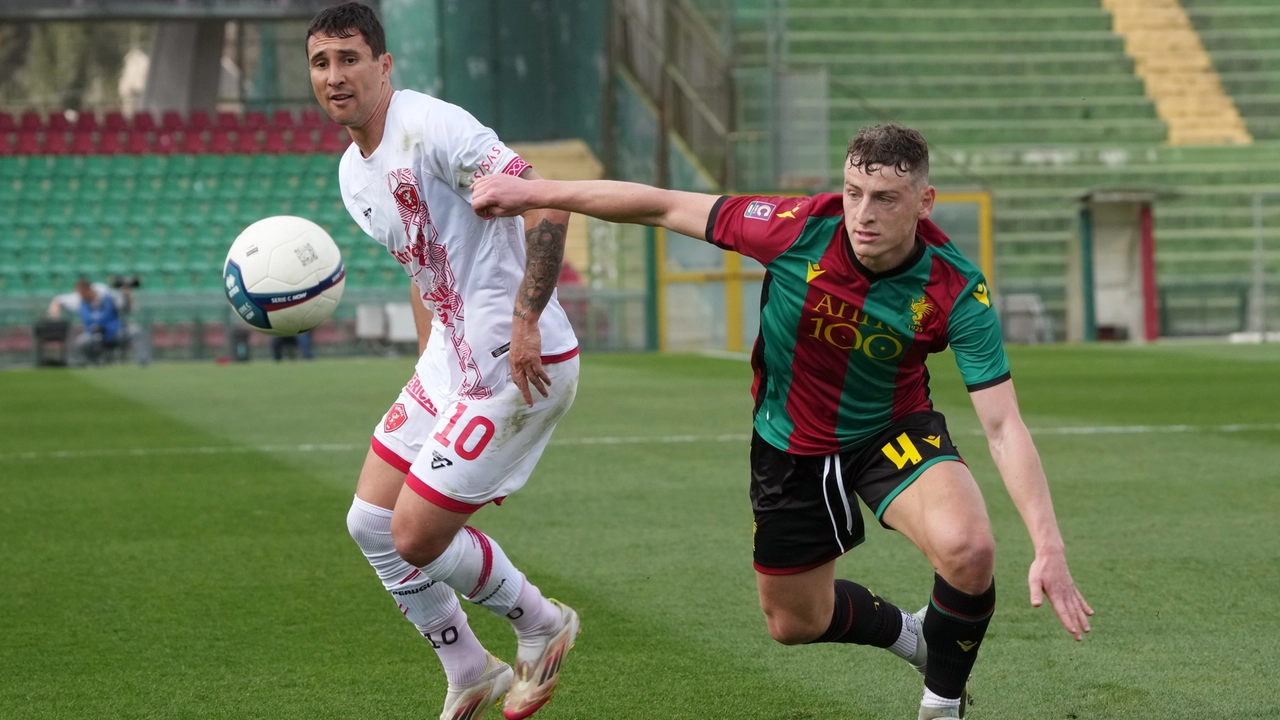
(974, 333)
(463, 149)
(760, 227)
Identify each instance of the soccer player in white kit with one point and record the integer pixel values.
(468, 429)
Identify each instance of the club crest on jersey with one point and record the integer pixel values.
(395, 418)
(407, 195)
(920, 307)
(759, 210)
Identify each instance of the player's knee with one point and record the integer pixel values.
(418, 549)
(791, 629)
(967, 561)
(367, 537)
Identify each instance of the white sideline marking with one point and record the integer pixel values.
(633, 440)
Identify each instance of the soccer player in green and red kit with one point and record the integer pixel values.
(860, 288)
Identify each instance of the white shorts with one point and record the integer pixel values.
(462, 454)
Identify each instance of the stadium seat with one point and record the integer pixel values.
(31, 122)
(311, 118)
(198, 120)
(302, 140)
(255, 120)
(193, 142)
(247, 141)
(7, 125)
(220, 142)
(171, 120)
(58, 122)
(138, 142)
(333, 140)
(28, 142)
(6, 145)
(109, 143)
(86, 121)
(143, 121)
(166, 142)
(274, 141)
(282, 119)
(228, 121)
(115, 122)
(82, 142)
(55, 142)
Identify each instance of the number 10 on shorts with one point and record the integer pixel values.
(466, 444)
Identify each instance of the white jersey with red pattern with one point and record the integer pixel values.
(413, 195)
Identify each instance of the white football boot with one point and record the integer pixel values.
(538, 667)
(472, 701)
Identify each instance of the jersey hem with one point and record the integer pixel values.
(989, 383)
(435, 497)
(390, 456)
(560, 357)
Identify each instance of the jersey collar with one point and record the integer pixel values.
(917, 253)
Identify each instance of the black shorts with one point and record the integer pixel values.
(805, 515)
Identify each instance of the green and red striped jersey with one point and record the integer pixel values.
(841, 351)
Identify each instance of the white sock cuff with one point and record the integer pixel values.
(370, 508)
(933, 700)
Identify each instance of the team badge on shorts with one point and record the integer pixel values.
(395, 418)
(759, 210)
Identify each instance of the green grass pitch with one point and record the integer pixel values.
(169, 548)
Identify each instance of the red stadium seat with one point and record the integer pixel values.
(86, 121)
(193, 142)
(143, 121)
(58, 122)
(282, 119)
(199, 120)
(7, 125)
(166, 142)
(31, 121)
(247, 142)
(82, 143)
(138, 143)
(115, 122)
(55, 143)
(311, 118)
(171, 120)
(303, 140)
(228, 121)
(28, 143)
(220, 142)
(274, 142)
(109, 143)
(6, 145)
(255, 119)
(333, 139)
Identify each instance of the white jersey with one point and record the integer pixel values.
(413, 195)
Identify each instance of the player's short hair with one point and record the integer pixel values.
(82, 283)
(348, 20)
(895, 146)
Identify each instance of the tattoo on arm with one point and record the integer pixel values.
(542, 267)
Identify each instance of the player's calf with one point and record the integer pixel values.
(954, 626)
(860, 617)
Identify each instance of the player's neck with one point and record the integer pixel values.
(368, 136)
(887, 261)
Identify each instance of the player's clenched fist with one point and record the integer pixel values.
(501, 195)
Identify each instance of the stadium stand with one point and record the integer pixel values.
(1038, 101)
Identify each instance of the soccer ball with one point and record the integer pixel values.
(284, 275)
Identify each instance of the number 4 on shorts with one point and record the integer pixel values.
(909, 452)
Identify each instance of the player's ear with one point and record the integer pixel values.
(386, 63)
(926, 202)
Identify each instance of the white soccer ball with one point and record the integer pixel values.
(284, 275)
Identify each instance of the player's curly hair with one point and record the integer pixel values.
(348, 20)
(895, 146)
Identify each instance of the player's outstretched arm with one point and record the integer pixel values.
(622, 202)
(1015, 456)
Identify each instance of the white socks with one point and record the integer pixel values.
(431, 606)
(932, 700)
(476, 567)
(905, 646)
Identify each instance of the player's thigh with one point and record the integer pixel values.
(943, 513)
(379, 482)
(422, 529)
(483, 449)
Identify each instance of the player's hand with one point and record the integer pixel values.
(1050, 577)
(526, 358)
(501, 195)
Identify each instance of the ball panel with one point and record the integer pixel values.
(284, 275)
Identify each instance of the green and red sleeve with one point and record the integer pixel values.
(758, 226)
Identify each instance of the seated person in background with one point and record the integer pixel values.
(302, 341)
(100, 310)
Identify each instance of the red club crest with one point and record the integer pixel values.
(407, 195)
(395, 418)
